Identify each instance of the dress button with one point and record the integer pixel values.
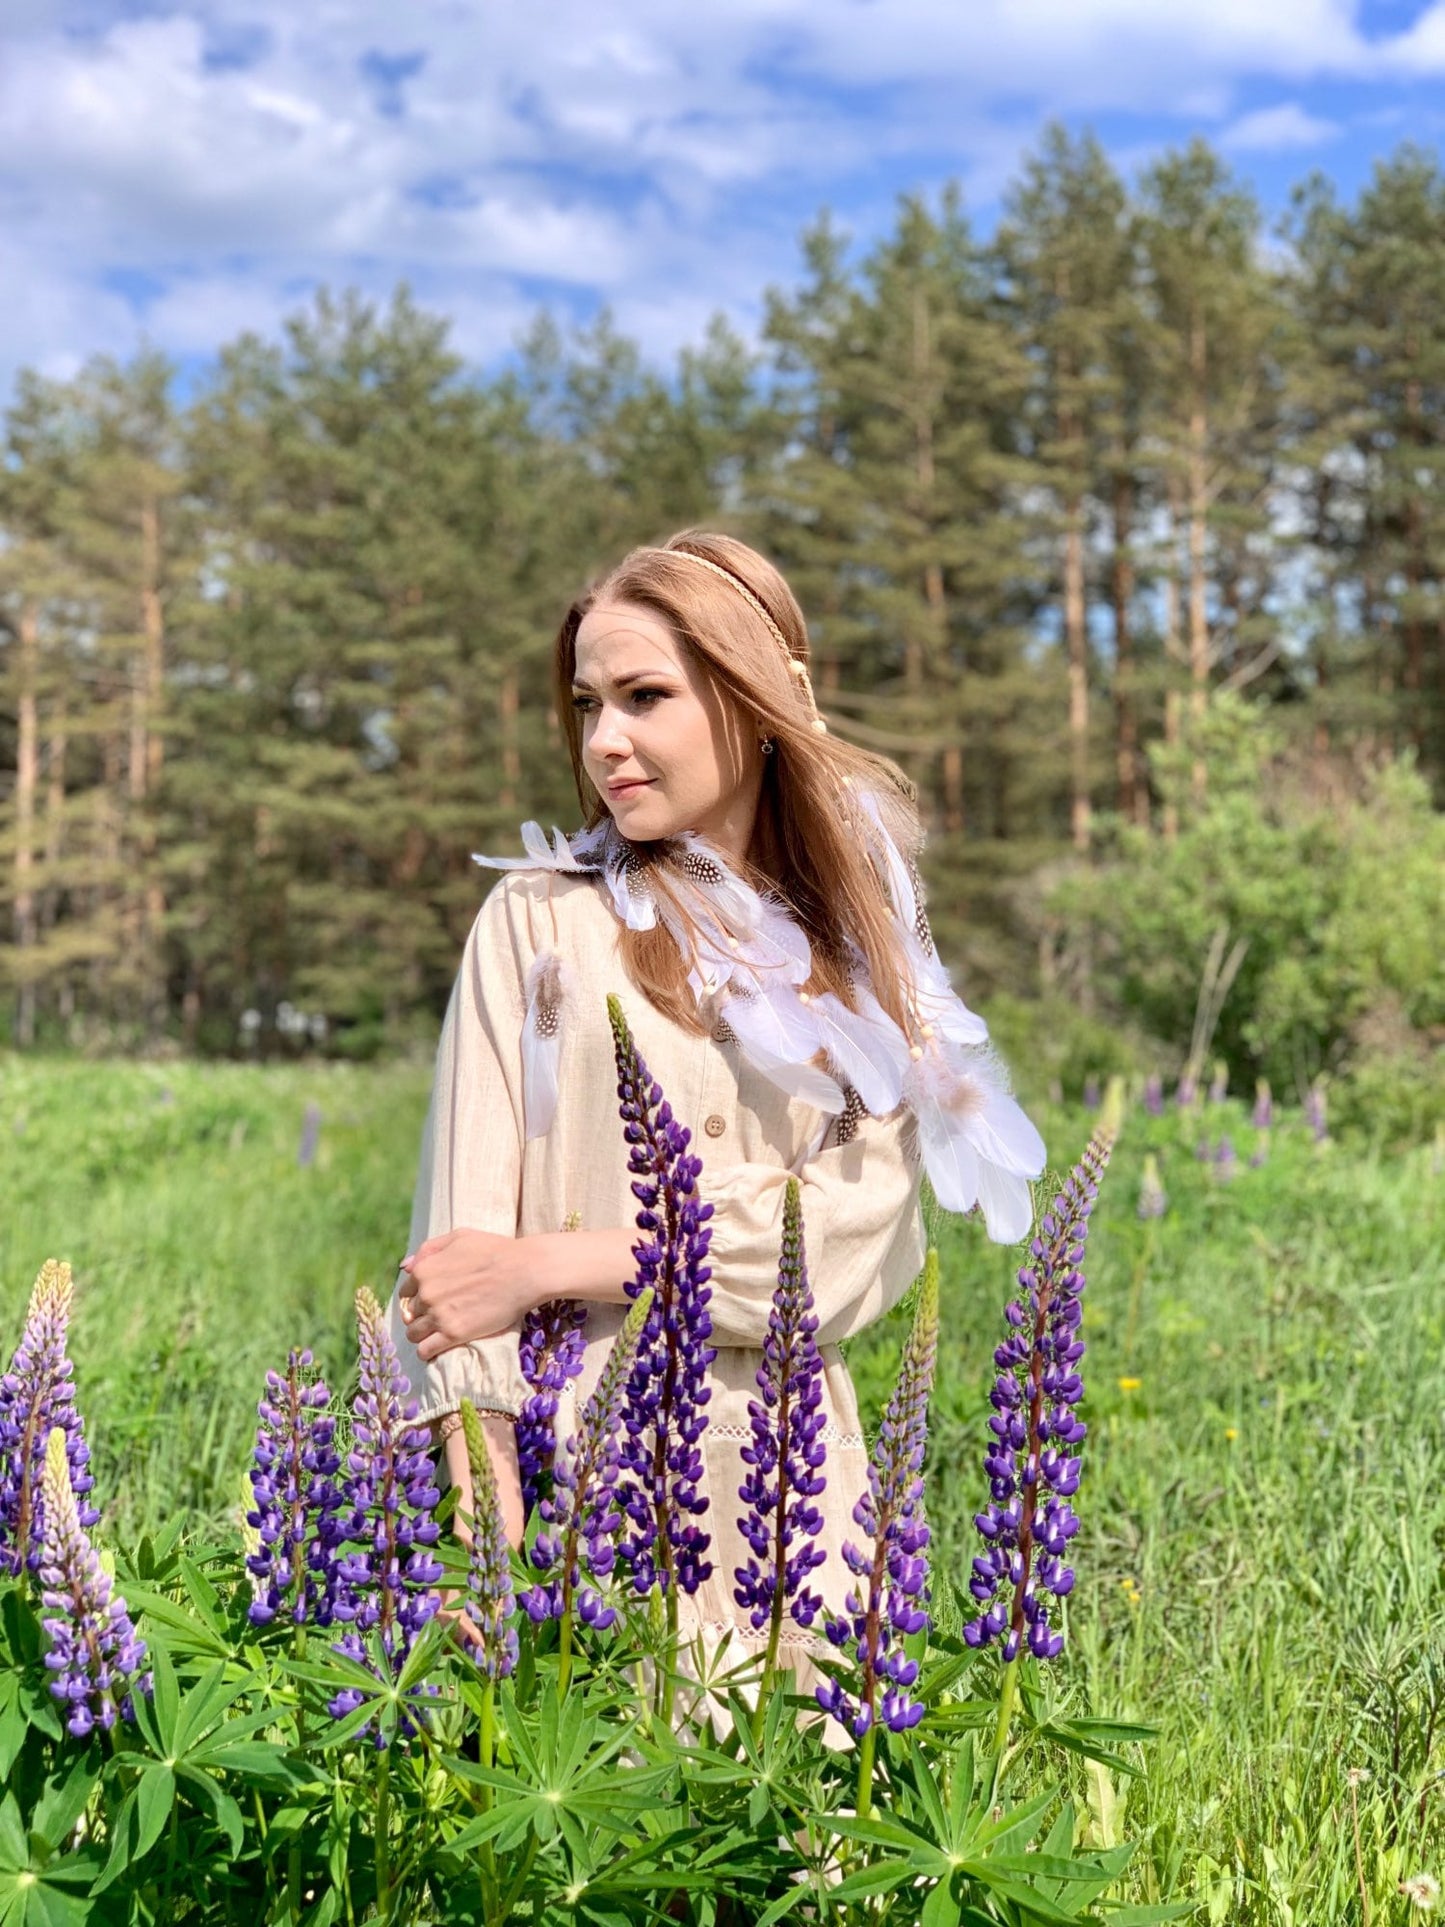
(721, 1033)
(715, 1125)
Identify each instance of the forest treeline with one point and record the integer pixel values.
(274, 652)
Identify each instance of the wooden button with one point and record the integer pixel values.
(715, 1125)
(720, 1033)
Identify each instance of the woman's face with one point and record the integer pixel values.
(666, 750)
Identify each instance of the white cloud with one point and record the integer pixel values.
(220, 155)
(1270, 129)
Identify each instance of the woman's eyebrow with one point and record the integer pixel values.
(625, 681)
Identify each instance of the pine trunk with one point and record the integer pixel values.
(1126, 728)
(27, 774)
(1077, 642)
(1198, 534)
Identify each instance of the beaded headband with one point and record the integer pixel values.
(795, 663)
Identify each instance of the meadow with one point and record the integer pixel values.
(1263, 1501)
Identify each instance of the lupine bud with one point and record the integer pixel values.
(489, 1601)
(1154, 1096)
(36, 1395)
(385, 1580)
(1219, 1083)
(665, 1411)
(1153, 1200)
(787, 1452)
(294, 1498)
(1263, 1115)
(890, 1600)
(1031, 1461)
(94, 1653)
(1315, 1113)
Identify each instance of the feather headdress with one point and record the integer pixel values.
(748, 958)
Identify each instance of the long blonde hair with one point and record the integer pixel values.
(813, 846)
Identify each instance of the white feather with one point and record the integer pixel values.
(948, 1153)
(936, 1000)
(542, 1042)
(1007, 1204)
(776, 1035)
(866, 1053)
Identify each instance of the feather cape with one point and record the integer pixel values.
(749, 961)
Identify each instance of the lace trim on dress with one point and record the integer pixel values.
(742, 1435)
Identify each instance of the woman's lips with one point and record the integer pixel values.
(620, 790)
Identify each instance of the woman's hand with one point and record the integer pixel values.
(464, 1284)
(469, 1284)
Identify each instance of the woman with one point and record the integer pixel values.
(746, 883)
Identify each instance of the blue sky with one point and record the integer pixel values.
(181, 172)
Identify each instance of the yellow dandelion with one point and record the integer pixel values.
(1231, 1432)
(1130, 1384)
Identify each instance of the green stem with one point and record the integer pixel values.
(383, 1828)
(564, 1652)
(1008, 1692)
(865, 1773)
(487, 1755)
(293, 1856)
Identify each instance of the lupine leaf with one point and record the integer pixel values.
(155, 1796)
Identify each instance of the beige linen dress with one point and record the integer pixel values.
(862, 1223)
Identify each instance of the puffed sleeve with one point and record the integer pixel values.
(862, 1234)
(471, 1154)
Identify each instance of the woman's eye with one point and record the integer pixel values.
(582, 704)
(648, 695)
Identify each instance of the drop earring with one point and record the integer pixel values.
(766, 745)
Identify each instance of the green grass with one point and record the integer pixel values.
(1264, 1516)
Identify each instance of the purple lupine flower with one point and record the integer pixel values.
(1263, 1115)
(385, 1581)
(1091, 1093)
(785, 1458)
(1219, 1083)
(94, 1653)
(488, 1608)
(580, 1519)
(890, 1600)
(551, 1347)
(665, 1412)
(1315, 1115)
(1153, 1199)
(293, 1486)
(1154, 1095)
(1186, 1093)
(36, 1395)
(1226, 1165)
(1031, 1462)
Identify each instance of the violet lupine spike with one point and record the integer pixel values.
(294, 1498)
(1154, 1096)
(665, 1412)
(489, 1605)
(1219, 1083)
(890, 1600)
(1262, 1117)
(36, 1394)
(551, 1347)
(786, 1456)
(1316, 1115)
(94, 1652)
(580, 1519)
(1031, 1462)
(384, 1580)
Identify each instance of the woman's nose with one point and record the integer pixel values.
(609, 735)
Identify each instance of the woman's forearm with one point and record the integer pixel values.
(591, 1265)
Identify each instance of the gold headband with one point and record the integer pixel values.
(795, 663)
